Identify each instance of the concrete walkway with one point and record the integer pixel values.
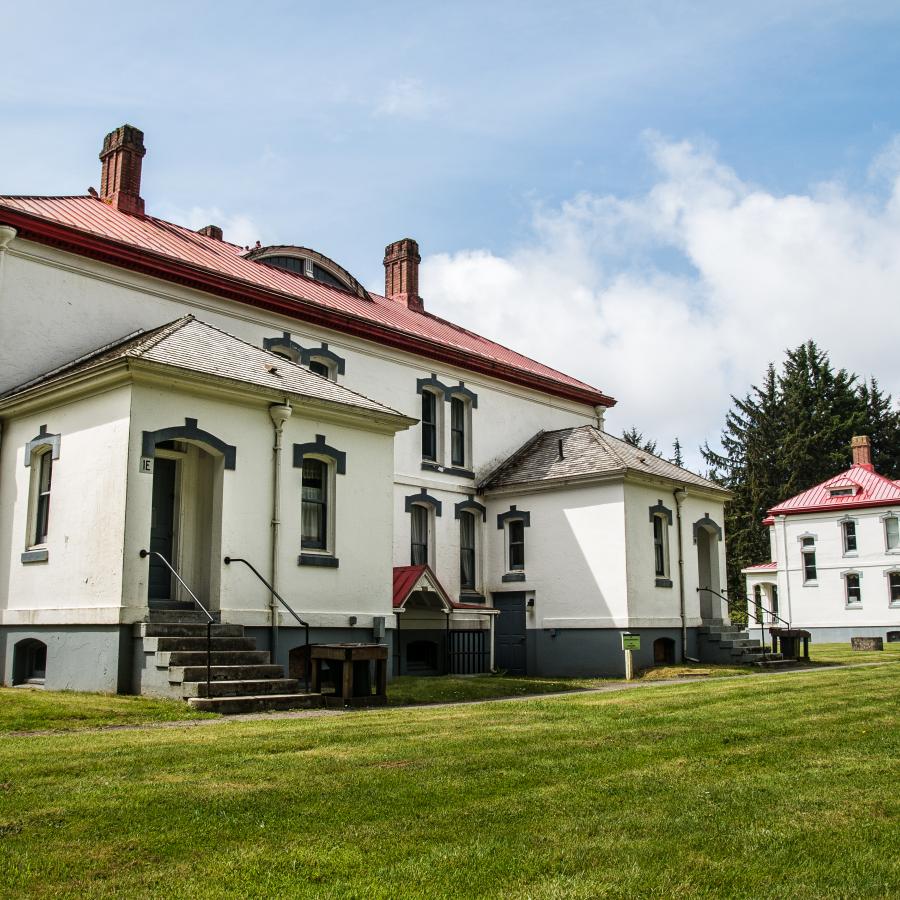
(319, 713)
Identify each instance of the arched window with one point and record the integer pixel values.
(314, 512)
(420, 534)
(320, 367)
(661, 520)
(891, 533)
(853, 588)
(514, 522)
(44, 477)
(430, 425)
(459, 432)
(468, 580)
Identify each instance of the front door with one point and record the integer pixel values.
(162, 528)
(510, 633)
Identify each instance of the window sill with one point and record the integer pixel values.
(447, 470)
(853, 606)
(513, 576)
(318, 559)
(471, 597)
(810, 584)
(664, 582)
(851, 554)
(35, 556)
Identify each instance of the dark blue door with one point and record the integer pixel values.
(162, 528)
(509, 633)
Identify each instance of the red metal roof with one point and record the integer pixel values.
(761, 567)
(90, 227)
(872, 489)
(407, 577)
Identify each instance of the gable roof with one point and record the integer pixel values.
(409, 579)
(872, 489)
(191, 345)
(89, 227)
(586, 451)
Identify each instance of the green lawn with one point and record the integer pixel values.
(751, 787)
(35, 710)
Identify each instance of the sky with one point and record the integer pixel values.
(656, 197)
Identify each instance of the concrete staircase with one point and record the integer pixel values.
(242, 678)
(727, 645)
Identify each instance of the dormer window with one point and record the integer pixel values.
(842, 491)
(310, 264)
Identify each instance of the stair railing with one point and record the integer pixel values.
(758, 605)
(236, 559)
(209, 616)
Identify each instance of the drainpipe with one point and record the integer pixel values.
(279, 414)
(6, 235)
(782, 520)
(679, 494)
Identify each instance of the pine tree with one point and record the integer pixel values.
(677, 458)
(636, 439)
(791, 433)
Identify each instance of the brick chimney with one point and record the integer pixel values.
(212, 231)
(120, 179)
(862, 452)
(401, 273)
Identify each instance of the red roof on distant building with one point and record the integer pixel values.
(868, 489)
(761, 567)
(90, 227)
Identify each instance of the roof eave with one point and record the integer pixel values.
(157, 265)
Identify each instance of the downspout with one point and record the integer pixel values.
(6, 235)
(679, 494)
(279, 414)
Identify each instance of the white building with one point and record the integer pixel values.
(835, 568)
(203, 400)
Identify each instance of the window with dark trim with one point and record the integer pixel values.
(457, 431)
(467, 528)
(419, 523)
(320, 368)
(515, 536)
(429, 426)
(42, 507)
(661, 545)
(314, 511)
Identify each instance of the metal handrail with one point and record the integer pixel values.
(229, 560)
(209, 615)
(760, 605)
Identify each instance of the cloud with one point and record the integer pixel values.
(677, 298)
(407, 98)
(237, 228)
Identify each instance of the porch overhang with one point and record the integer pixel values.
(411, 580)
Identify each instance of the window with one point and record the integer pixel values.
(515, 536)
(419, 535)
(467, 579)
(320, 368)
(894, 588)
(848, 532)
(429, 426)
(661, 545)
(892, 533)
(808, 551)
(757, 604)
(314, 512)
(854, 593)
(457, 431)
(842, 492)
(42, 508)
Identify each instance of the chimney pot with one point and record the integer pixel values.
(861, 448)
(211, 231)
(401, 273)
(120, 178)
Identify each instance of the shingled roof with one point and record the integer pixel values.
(89, 227)
(191, 345)
(583, 452)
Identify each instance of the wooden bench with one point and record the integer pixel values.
(350, 664)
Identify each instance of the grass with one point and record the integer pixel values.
(750, 787)
(35, 710)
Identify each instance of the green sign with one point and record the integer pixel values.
(631, 642)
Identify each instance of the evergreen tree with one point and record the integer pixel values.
(677, 458)
(788, 434)
(636, 439)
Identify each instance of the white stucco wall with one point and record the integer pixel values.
(361, 505)
(823, 604)
(574, 555)
(81, 580)
(87, 303)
